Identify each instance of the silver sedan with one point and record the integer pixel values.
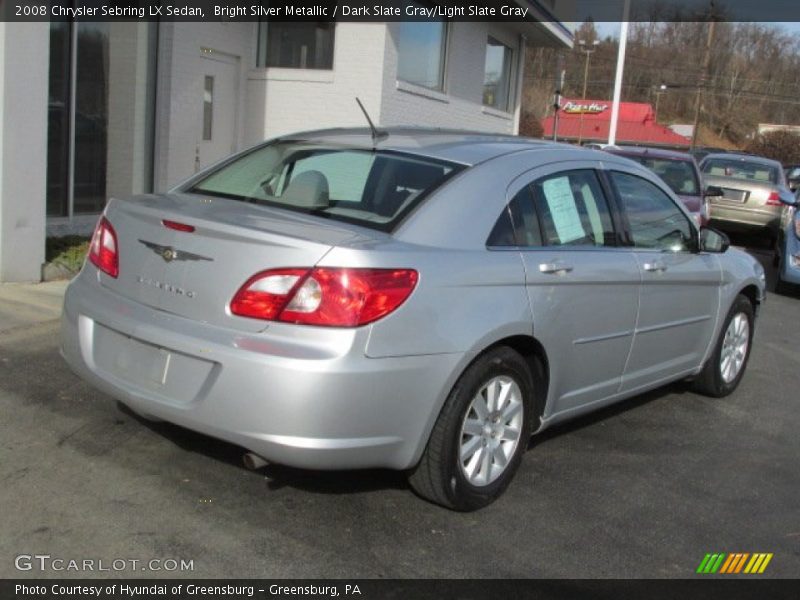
(752, 191)
(421, 300)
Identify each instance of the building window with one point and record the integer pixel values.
(497, 75)
(421, 49)
(295, 45)
(100, 114)
(208, 107)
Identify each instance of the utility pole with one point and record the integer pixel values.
(698, 101)
(587, 49)
(623, 41)
(660, 90)
(560, 74)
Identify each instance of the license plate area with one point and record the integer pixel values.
(167, 375)
(732, 195)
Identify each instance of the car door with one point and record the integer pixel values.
(680, 293)
(582, 285)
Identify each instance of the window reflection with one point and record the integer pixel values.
(58, 119)
(421, 52)
(497, 75)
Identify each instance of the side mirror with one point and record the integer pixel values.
(713, 191)
(712, 240)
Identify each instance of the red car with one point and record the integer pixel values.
(678, 170)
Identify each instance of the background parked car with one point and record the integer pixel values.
(754, 192)
(787, 256)
(678, 170)
(792, 176)
(700, 152)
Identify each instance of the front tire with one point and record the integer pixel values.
(726, 366)
(481, 434)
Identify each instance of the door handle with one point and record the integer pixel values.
(556, 268)
(655, 267)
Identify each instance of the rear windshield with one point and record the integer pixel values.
(741, 169)
(369, 187)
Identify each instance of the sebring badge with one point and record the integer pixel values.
(169, 254)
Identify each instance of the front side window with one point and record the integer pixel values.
(573, 210)
(655, 220)
(421, 52)
(297, 45)
(497, 75)
(370, 188)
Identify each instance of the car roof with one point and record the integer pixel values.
(752, 158)
(452, 145)
(645, 151)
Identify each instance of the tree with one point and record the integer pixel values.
(780, 145)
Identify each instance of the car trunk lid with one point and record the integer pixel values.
(753, 194)
(195, 274)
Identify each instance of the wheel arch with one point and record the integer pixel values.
(751, 292)
(535, 356)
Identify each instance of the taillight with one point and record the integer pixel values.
(330, 297)
(103, 250)
(774, 199)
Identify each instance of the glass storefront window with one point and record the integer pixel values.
(101, 109)
(58, 117)
(91, 118)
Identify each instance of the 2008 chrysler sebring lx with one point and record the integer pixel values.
(424, 300)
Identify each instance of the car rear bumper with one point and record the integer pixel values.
(746, 216)
(299, 396)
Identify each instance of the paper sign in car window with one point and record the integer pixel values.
(565, 215)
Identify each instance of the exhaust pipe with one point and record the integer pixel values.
(254, 461)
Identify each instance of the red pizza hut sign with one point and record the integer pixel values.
(576, 108)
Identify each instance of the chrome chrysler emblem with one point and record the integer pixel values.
(168, 253)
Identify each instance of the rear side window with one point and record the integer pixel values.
(517, 225)
(371, 188)
(573, 210)
(655, 220)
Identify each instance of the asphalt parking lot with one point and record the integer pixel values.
(643, 489)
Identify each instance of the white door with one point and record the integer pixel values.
(219, 91)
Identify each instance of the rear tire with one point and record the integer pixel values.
(481, 434)
(726, 365)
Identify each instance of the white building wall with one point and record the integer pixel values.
(24, 61)
(282, 101)
(179, 102)
(460, 105)
(128, 171)
(275, 101)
